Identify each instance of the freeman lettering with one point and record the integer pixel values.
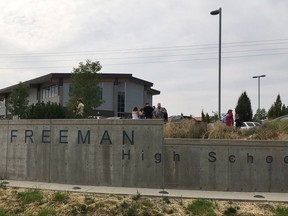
(82, 136)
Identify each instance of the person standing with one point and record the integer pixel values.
(80, 108)
(135, 113)
(148, 111)
(238, 122)
(160, 112)
(229, 118)
(141, 114)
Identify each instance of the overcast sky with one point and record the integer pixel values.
(171, 43)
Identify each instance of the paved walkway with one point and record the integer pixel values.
(220, 195)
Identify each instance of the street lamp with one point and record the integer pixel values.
(216, 12)
(258, 77)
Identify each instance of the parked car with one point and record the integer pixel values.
(248, 125)
(256, 124)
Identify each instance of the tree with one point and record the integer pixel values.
(277, 109)
(84, 85)
(205, 117)
(18, 100)
(243, 108)
(260, 115)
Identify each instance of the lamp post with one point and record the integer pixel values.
(216, 12)
(258, 77)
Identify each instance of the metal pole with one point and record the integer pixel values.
(220, 40)
(216, 12)
(258, 93)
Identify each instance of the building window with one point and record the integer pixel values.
(2, 104)
(100, 93)
(49, 91)
(121, 103)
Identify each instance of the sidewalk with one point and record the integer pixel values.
(219, 195)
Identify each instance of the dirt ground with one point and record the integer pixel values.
(12, 203)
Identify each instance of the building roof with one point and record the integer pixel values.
(104, 76)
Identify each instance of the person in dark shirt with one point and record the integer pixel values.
(238, 122)
(148, 111)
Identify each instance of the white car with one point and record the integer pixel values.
(247, 125)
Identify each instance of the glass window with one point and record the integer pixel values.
(49, 91)
(100, 93)
(121, 103)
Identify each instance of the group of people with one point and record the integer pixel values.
(229, 120)
(149, 112)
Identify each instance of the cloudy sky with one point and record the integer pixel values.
(172, 43)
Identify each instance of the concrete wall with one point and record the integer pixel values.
(226, 165)
(92, 152)
(133, 153)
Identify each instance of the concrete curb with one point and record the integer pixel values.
(219, 195)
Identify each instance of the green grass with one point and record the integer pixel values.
(281, 211)
(132, 210)
(60, 196)
(3, 212)
(31, 195)
(201, 207)
(47, 212)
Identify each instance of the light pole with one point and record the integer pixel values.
(258, 77)
(216, 12)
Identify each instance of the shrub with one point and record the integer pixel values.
(272, 130)
(201, 207)
(230, 211)
(137, 196)
(60, 196)
(185, 129)
(40, 110)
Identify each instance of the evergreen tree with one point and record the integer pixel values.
(203, 116)
(207, 118)
(243, 108)
(18, 100)
(84, 85)
(277, 109)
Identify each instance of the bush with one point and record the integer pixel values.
(272, 130)
(185, 129)
(60, 196)
(49, 110)
(201, 207)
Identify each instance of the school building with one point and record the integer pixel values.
(119, 93)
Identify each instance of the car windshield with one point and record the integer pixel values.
(250, 124)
